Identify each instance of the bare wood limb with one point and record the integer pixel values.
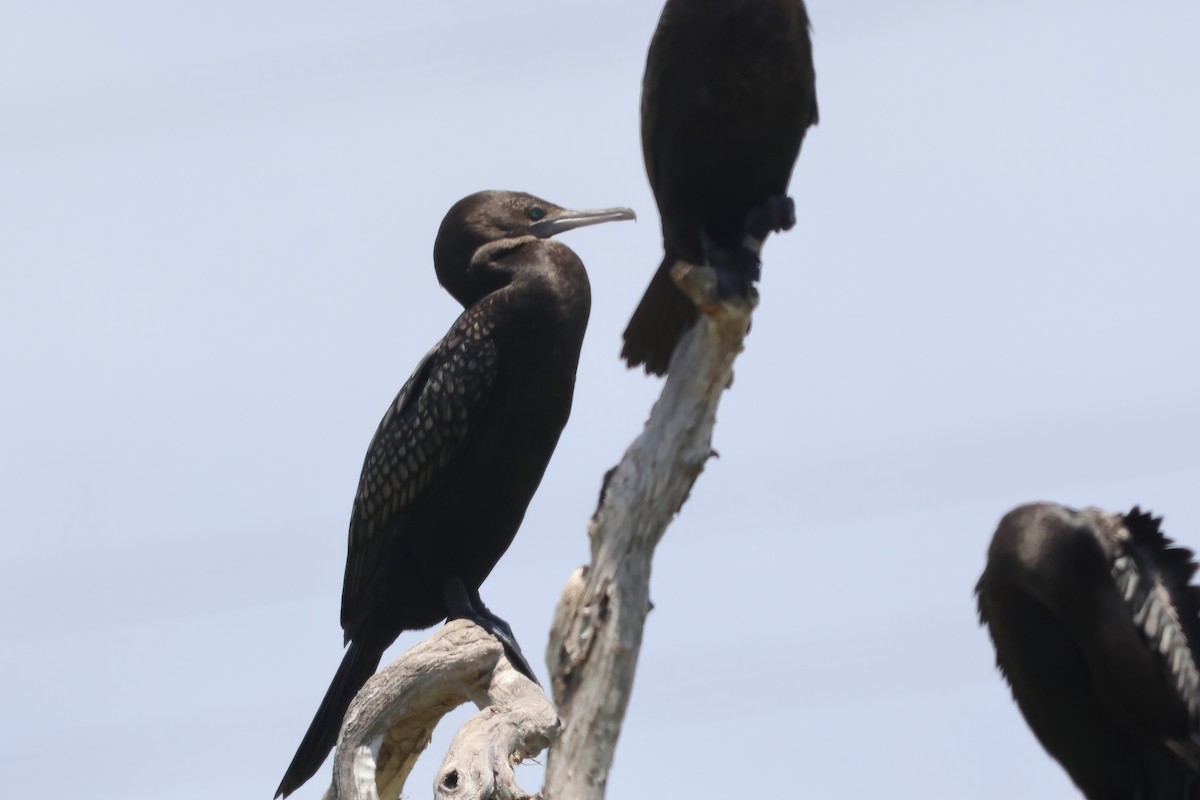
(597, 630)
(391, 719)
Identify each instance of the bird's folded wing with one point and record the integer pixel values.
(1153, 577)
(417, 441)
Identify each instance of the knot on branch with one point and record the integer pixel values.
(392, 718)
(480, 761)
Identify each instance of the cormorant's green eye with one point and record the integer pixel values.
(536, 213)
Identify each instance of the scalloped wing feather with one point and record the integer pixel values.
(1153, 577)
(418, 439)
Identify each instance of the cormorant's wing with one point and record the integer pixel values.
(1153, 577)
(419, 437)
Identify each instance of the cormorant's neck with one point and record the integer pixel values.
(489, 254)
(544, 286)
(541, 282)
(466, 267)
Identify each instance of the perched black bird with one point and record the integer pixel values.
(1097, 631)
(461, 450)
(728, 94)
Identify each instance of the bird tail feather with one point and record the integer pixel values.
(658, 323)
(357, 666)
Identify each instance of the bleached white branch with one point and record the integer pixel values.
(597, 630)
(391, 719)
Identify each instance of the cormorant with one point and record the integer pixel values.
(727, 96)
(1097, 631)
(461, 451)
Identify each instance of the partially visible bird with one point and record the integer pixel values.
(1097, 631)
(728, 94)
(462, 449)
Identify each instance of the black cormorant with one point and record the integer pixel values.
(1097, 631)
(728, 94)
(462, 449)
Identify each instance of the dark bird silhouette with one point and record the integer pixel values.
(462, 449)
(1097, 631)
(727, 96)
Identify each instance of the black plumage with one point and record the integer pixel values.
(1097, 631)
(461, 451)
(728, 93)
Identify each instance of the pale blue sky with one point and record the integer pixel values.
(215, 229)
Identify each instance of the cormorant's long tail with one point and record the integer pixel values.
(658, 323)
(357, 666)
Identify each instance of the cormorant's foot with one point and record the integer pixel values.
(775, 214)
(737, 271)
(503, 630)
(482, 616)
(483, 611)
(503, 633)
(518, 661)
(499, 628)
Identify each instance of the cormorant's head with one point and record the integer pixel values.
(491, 217)
(1036, 542)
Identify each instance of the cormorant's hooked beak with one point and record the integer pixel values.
(566, 219)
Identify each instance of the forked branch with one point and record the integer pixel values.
(392, 717)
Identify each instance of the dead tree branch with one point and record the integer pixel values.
(597, 630)
(391, 719)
